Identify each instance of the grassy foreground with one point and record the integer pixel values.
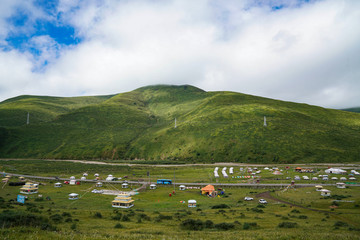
(158, 216)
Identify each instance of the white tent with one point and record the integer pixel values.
(73, 196)
(72, 178)
(231, 170)
(315, 178)
(340, 185)
(334, 178)
(343, 179)
(124, 185)
(152, 186)
(83, 178)
(318, 188)
(192, 203)
(109, 178)
(57, 184)
(72, 182)
(305, 177)
(182, 187)
(335, 171)
(96, 175)
(99, 184)
(325, 192)
(85, 174)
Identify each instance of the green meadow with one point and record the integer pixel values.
(156, 215)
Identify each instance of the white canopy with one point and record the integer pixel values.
(192, 201)
(73, 195)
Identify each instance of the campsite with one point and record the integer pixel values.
(291, 211)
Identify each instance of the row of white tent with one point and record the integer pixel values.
(108, 178)
(223, 171)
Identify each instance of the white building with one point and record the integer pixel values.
(335, 171)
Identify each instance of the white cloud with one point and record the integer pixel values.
(305, 53)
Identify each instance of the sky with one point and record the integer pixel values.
(305, 51)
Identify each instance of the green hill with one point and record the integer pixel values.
(211, 127)
(357, 109)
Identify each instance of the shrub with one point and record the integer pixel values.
(248, 225)
(260, 206)
(12, 219)
(287, 225)
(224, 226)
(97, 215)
(118, 226)
(191, 224)
(340, 224)
(68, 219)
(56, 218)
(118, 216)
(303, 217)
(219, 206)
(209, 224)
(66, 214)
(295, 211)
(125, 218)
(73, 226)
(257, 210)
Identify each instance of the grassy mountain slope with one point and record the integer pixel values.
(211, 127)
(357, 109)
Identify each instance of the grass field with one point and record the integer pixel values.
(158, 216)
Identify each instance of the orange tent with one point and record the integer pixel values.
(208, 189)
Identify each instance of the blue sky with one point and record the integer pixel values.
(294, 50)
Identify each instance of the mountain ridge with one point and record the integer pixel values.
(211, 127)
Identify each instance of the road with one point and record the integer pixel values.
(255, 185)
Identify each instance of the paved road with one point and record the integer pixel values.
(257, 185)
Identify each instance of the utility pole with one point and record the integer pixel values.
(28, 119)
(174, 180)
(265, 121)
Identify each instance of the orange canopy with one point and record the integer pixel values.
(208, 188)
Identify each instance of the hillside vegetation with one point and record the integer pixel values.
(211, 127)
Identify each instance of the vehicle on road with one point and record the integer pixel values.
(262, 201)
(248, 198)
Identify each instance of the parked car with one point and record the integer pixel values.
(262, 201)
(248, 198)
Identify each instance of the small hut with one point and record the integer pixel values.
(85, 174)
(29, 188)
(192, 203)
(325, 193)
(298, 169)
(315, 179)
(352, 178)
(72, 182)
(57, 184)
(182, 187)
(340, 185)
(83, 178)
(124, 185)
(72, 178)
(334, 178)
(343, 179)
(318, 188)
(152, 186)
(21, 178)
(96, 175)
(73, 196)
(209, 190)
(99, 184)
(123, 200)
